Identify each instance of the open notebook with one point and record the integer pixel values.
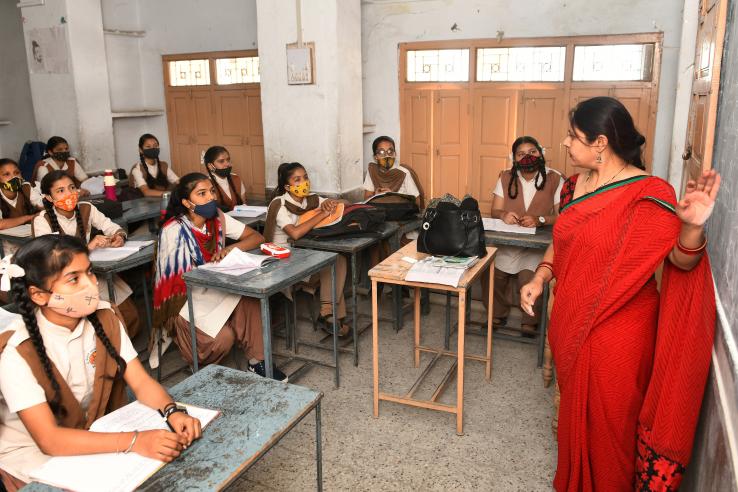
(247, 211)
(115, 254)
(500, 226)
(238, 262)
(23, 230)
(110, 471)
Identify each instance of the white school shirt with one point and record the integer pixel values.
(285, 218)
(153, 169)
(212, 307)
(72, 352)
(8, 247)
(513, 259)
(98, 220)
(226, 187)
(79, 173)
(408, 186)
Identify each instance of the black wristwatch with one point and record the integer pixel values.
(174, 408)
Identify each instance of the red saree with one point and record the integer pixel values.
(631, 363)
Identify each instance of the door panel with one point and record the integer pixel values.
(638, 104)
(450, 166)
(541, 114)
(416, 136)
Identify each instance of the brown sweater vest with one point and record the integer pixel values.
(225, 201)
(22, 203)
(163, 168)
(71, 163)
(108, 394)
(393, 179)
(313, 201)
(543, 200)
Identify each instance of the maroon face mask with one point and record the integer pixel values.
(530, 163)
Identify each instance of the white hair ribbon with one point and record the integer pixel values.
(9, 270)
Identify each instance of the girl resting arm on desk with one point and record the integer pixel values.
(65, 362)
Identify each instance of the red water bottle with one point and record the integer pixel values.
(109, 183)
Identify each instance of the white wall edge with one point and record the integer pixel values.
(725, 384)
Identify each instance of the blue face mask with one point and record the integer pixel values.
(207, 210)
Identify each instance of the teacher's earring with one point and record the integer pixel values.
(599, 157)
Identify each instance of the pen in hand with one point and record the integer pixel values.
(165, 420)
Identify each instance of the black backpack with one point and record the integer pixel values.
(357, 221)
(396, 206)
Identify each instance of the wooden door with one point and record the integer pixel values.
(451, 141)
(255, 142)
(417, 136)
(181, 118)
(541, 116)
(700, 137)
(492, 135)
(638, 103)
(204, 130)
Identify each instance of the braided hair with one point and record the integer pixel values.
(28, 208)
(540, 178)
(209, 158)
(47, 183)
(44, 258)
(161, 177)
(284, 173)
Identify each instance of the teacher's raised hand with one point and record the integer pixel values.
(699, 198)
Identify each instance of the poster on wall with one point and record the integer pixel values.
(48, 47)
(300, 64)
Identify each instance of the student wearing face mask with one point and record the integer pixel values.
(58, 157)
(386, 174)
(230, 190)
(193, 233)
(65, 361)
(15, 207)
(64, 214)
(151, 176)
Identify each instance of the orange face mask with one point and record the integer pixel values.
(68, 203)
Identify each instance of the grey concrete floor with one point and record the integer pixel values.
(507, 442)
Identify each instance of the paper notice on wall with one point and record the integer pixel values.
(48, 49)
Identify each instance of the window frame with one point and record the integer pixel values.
(211, 56)
(476, 61)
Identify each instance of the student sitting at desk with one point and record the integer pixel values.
(151, 176)
(229, 188)
(292, 199)
(16, 207)
(63, 215)
(65, 362)
(386, 174)
(58, 158)
(193, 233)
(525, 195)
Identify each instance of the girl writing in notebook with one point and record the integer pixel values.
(193, 233)
(229, 188)
(292, 199)
(65, 362)
(63, 214)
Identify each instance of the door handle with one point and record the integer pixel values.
(687, 154)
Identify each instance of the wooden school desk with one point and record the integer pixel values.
(256, 413)
(261, 283)
(351, 246)
(393, 271)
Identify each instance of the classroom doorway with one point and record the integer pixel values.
(463, 103)
(214, 98)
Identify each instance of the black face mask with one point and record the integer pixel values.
(223, 173)
(530, 163)
(151, 153)
(61, 156)
(13, 184)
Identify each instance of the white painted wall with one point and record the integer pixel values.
(16, 104)
(318, 125)
(385, 23)
(172, 26)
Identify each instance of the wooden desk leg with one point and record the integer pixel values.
(416, 350)
(318, 449)
(193, 334)
(490, 302)
(460, 365)
(375, 347)
(266, 333)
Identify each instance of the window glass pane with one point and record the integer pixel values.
(438, 65)
(533, 64)
(189, 72)
(237, 70)
(613, 62)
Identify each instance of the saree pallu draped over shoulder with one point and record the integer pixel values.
(631, 362)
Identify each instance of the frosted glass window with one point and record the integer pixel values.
(243, 70)
(438, 65)
(613, 62)
(528, 64)
(189, 72)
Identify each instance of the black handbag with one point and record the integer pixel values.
(452, 228)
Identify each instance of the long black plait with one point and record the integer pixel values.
(215, 185)
(542, 173)
(92, 318)
(81, 232)
(27, 310)
(513, 183)
(51, 214)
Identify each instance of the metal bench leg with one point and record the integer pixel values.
(318, 449)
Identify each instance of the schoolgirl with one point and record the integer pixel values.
(150, 175)
(229, 187)
(15, 199)
(58, 157)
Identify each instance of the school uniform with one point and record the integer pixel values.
(71, 167)
(16, 207)
(398, 179)
(136, 177)
(83, 367)
(515, 266)
(228, 196)
(221, 319)
(285, 210)
(92, 217)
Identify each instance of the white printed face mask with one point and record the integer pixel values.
(77, 305)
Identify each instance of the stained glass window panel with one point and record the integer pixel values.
(524, 64)
(613, 62)
(189, 72)
(244, 70)
(438, 65)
